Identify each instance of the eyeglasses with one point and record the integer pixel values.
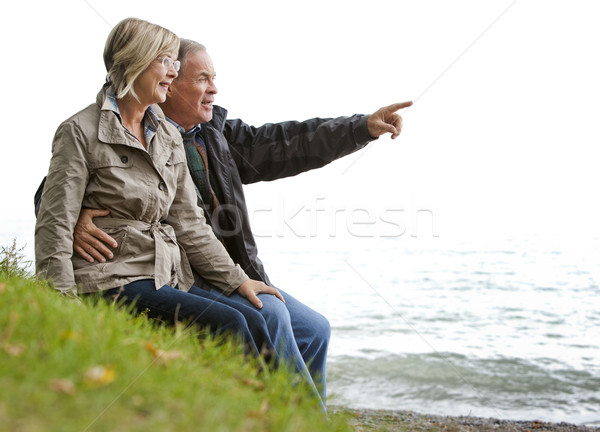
(168, 63)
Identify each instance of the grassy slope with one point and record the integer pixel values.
(68, 366)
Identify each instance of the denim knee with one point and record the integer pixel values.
(274, 310)
(322, 328)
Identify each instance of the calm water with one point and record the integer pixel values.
(505, 329)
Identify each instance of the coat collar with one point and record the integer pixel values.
(219, 117)
(110, 128)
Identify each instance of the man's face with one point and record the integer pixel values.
(193, 94)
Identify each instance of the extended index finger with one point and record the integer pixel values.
(398, 106)
(279, 296)
(273, 291)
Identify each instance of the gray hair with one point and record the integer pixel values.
(186, 48)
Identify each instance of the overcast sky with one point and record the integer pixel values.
(501, 141)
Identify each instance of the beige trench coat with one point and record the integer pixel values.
(154, 218)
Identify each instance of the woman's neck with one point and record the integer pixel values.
(132, 115)
(131, 110)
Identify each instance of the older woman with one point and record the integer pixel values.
(120, 154)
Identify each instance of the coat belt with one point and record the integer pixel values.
(163, 264)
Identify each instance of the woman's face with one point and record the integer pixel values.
(152, 85)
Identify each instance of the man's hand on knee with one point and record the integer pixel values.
(89, 241)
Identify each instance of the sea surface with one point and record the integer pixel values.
(507, 329)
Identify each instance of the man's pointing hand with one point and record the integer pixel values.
(386, 120)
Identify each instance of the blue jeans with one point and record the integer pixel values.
(172, 305)
(298, 335)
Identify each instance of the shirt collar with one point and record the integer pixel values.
(112, 101)
(151, 119)
(191, 132)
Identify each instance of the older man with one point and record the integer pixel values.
(225, 154)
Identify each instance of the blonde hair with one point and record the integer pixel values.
(131, 47)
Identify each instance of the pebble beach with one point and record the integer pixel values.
(365, 420)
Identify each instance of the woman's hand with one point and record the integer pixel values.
(251, 288)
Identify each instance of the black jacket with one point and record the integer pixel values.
(242, 154)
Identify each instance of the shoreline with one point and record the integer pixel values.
(365, 420)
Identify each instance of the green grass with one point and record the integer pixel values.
(72, 366)
(12, 261)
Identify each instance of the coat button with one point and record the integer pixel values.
(162, 186)
(124, 159)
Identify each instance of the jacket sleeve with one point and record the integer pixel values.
(60, 204)
(205, 252)
(285, 149)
